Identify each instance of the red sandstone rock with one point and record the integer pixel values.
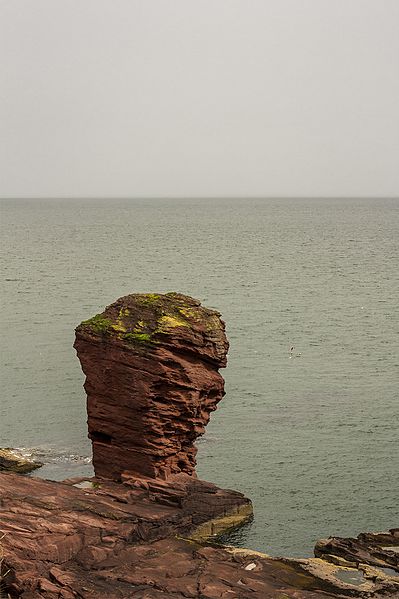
(116, 541)
(151, 364)
(119, 541)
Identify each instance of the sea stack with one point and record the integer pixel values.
(152, 379)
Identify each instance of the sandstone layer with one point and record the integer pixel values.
(378, 549)
(151, 364)
(92, 539)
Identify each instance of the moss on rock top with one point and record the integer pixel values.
(147, 318)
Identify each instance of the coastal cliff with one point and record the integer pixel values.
(145, 526)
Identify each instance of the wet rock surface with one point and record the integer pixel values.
(151, 364)
(370, 562)
(12, 460)
(375, 549)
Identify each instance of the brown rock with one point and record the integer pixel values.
(151, 364)
(62, 535)
(113, 541)
(374, 549)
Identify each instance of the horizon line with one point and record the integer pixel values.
(208, 197)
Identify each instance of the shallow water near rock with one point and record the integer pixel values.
(353, 577)
(387, 571)
(310, 438)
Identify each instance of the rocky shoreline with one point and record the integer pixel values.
(139, 539)
(12, 460)
(145, 527)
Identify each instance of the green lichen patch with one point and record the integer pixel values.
(149, 299)
(167, 321)
(98, 324)
(118, 327)
(138, 337)
(148, 315)
(213, 322)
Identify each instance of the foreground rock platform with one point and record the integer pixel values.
(75, 528)
(140, 539)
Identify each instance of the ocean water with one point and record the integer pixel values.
(311, 438)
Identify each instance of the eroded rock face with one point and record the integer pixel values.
(125, 540)
(378, 549)
(151, 364)
(85, 539)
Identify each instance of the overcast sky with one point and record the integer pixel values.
(199, 98)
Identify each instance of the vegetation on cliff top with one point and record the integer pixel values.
(140, 318)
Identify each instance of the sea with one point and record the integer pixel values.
(309, 434)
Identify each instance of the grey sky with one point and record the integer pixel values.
(199, 97)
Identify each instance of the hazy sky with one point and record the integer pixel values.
(199, 97)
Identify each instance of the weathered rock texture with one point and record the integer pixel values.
(107, 540)
(378, 549)
(56, 536)
(151, 364)
(13, 461)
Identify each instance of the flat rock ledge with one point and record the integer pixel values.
(146, 539)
